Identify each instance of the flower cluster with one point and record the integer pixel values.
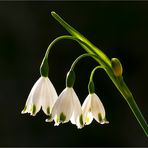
(65, 107)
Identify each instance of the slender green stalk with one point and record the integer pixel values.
(44, 65)
(91, 86)
(90, 47)
(70, 78)
(93, 71)
(103, 60)
(79, 58)
(56, 40)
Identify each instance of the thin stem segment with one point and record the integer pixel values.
(79, 58)
(93, 71)
(91, 86)
(44, 65)
(56, 40)
(70, 79)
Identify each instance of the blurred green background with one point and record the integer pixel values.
(120, 29)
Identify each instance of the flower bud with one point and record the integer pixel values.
(117, 67)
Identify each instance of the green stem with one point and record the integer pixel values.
(44, 65)
(90, 47)
(56, 40)
(91, 86)
(93, 71)
(103, 60)
(70, 79)
(124, 90)
(78, 59)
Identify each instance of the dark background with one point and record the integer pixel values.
(120, 29)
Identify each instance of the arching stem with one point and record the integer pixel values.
(102, 59)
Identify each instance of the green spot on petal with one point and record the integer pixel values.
(81, 119)
(100, 117)
(48, 110)
(87, 120)
(57, 119)
(33, 109)
(62, 117)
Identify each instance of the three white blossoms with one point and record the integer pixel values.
(65, 107)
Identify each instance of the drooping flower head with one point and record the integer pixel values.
(92, 106)
(43, 94)
(67, 107)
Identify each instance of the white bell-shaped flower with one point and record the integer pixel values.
(43, 94)
(93, 108)
(67, 107)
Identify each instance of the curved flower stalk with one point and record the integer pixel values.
(112, 67)
(67, 107)
(43, 94)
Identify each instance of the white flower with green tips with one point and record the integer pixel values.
(67, 108)
(93, 108)
(43, 94)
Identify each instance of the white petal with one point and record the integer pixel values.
(98, 110)
(63, 107)
(86, 109)
(77, 117)
(30, 101)
(27, 105)
(37, 94)
(49, 96)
